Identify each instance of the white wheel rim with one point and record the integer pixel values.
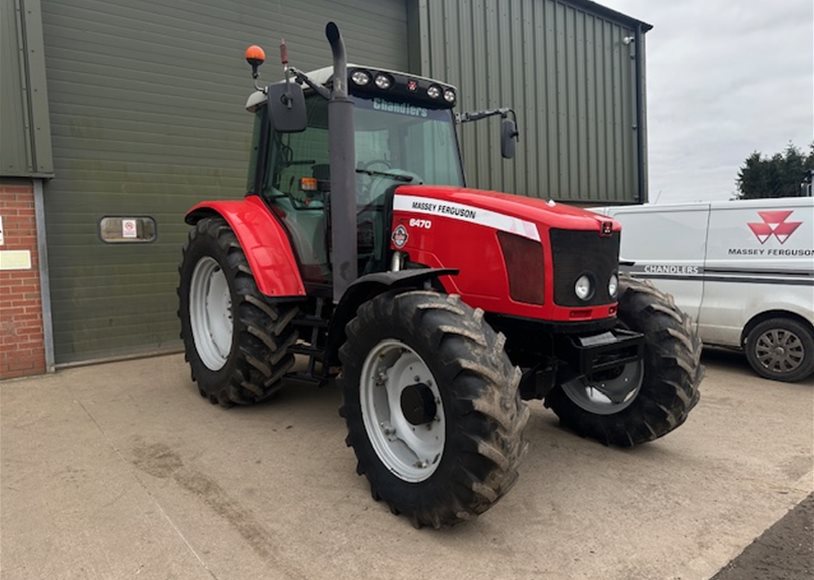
(412, 452)
(606, 396)
(210, 313)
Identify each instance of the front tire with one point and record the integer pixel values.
(235, 341)
(668, 388)
(432, 406)
(780, 349)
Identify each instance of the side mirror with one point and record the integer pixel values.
(508, 138)
(286, 103)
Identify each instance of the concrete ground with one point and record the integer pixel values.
(122, 470)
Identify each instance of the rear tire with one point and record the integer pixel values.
(780, 349)
(672, 373)
(449, 346)
(258, 335)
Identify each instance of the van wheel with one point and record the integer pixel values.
(781, 349)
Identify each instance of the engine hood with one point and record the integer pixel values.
(549, 214)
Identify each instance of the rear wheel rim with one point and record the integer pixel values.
(779, 350)
(402, 411)
(210, 313)
(609, 395)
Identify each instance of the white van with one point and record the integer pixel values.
(743, 270)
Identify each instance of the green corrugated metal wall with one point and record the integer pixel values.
(569, 76)
(147, 118)
(25, 136)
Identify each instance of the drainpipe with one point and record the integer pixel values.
(640, 121)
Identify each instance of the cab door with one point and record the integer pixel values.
(667, 245)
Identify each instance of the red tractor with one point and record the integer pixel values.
(440, 308)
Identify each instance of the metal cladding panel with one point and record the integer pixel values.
(25, 139)
(147, 111)
(571, 79)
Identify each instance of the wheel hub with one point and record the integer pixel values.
(609, 392)
(418, 404)
(402, 410)
(779, 350)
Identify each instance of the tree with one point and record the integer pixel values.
(777, 176)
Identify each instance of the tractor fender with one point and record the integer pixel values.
(365, 288)
(263, 240)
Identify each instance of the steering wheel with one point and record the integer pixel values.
(379, 184)
(369, 164)
(367, 183)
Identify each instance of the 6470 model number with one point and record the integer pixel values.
(417, 223)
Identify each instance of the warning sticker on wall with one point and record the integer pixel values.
(129, 229)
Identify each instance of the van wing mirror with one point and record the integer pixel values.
(286, 103)
(508, 138)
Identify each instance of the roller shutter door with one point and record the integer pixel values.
(146, 101)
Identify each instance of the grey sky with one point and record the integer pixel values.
(724, 78)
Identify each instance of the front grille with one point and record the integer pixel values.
(583, 252)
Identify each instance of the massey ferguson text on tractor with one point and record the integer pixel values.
(439, 307)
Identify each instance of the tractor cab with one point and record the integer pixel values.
(404, 133)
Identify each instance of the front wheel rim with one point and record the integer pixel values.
(402, 411)
(608, 395)
(779, 350)
(210, 313)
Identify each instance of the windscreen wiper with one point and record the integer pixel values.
(394, 176)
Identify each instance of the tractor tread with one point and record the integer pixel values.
(672, 373)
(462, 350)
(261, 357)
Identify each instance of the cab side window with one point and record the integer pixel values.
(298, 155)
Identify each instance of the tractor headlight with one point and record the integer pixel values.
(613, 285)
(360, 77)
(449, 96)
(583, 287)
(383, 81)
(434, 91)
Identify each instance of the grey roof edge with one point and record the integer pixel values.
(608, 13)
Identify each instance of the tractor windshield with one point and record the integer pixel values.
(396, 143)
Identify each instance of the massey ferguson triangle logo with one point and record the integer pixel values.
(774, 224)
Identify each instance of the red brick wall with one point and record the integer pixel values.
(21, 337)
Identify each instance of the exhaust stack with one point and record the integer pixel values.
(342, 200)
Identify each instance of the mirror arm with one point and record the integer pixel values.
(255, 76)
(301, 77)
(478, 115)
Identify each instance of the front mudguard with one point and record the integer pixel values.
(264, 241)
(367, 287)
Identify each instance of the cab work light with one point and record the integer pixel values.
(524, 266)
(360, 77)
(383, 81)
